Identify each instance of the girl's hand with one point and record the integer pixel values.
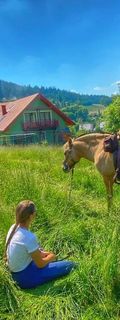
(42, 258)
(46, 254)
(52, 256)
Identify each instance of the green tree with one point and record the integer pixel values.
(112, 115)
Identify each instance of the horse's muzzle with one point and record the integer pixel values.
(66, 168)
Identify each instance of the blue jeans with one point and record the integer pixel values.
(32, 276)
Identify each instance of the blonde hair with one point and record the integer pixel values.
(23, 211)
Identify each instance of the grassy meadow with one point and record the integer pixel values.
(75, 223)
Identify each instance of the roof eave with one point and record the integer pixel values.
(58, 111)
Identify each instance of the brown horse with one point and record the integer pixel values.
(90, 146)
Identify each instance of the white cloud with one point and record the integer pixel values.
(115, 83)
(74, 91)
(98, 88)
(115, 93)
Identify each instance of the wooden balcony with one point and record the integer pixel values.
(40, 125)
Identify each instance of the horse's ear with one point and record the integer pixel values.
(70, 142)
(66, 137)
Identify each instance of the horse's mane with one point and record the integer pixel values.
(99, 135)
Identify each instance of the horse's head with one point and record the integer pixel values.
(70, 155)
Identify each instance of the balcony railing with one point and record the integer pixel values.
(40, 125)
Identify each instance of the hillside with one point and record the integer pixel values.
(76, 224)
(9, 90)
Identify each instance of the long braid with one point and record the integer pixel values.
(9, 239)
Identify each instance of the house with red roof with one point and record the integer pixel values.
(33, 119)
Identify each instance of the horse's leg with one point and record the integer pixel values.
(109, 188)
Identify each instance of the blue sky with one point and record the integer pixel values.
(69, 44)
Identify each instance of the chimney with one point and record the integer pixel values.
(4, 111)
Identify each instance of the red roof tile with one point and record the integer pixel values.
(16, 107)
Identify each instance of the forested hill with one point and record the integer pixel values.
(9, 91)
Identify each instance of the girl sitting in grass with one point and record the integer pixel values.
(30, 265)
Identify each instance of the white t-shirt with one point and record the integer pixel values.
(21, 245)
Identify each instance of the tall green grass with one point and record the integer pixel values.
(76, 223)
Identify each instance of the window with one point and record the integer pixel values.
(44, 115)
(30, 116)
(35, 116)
